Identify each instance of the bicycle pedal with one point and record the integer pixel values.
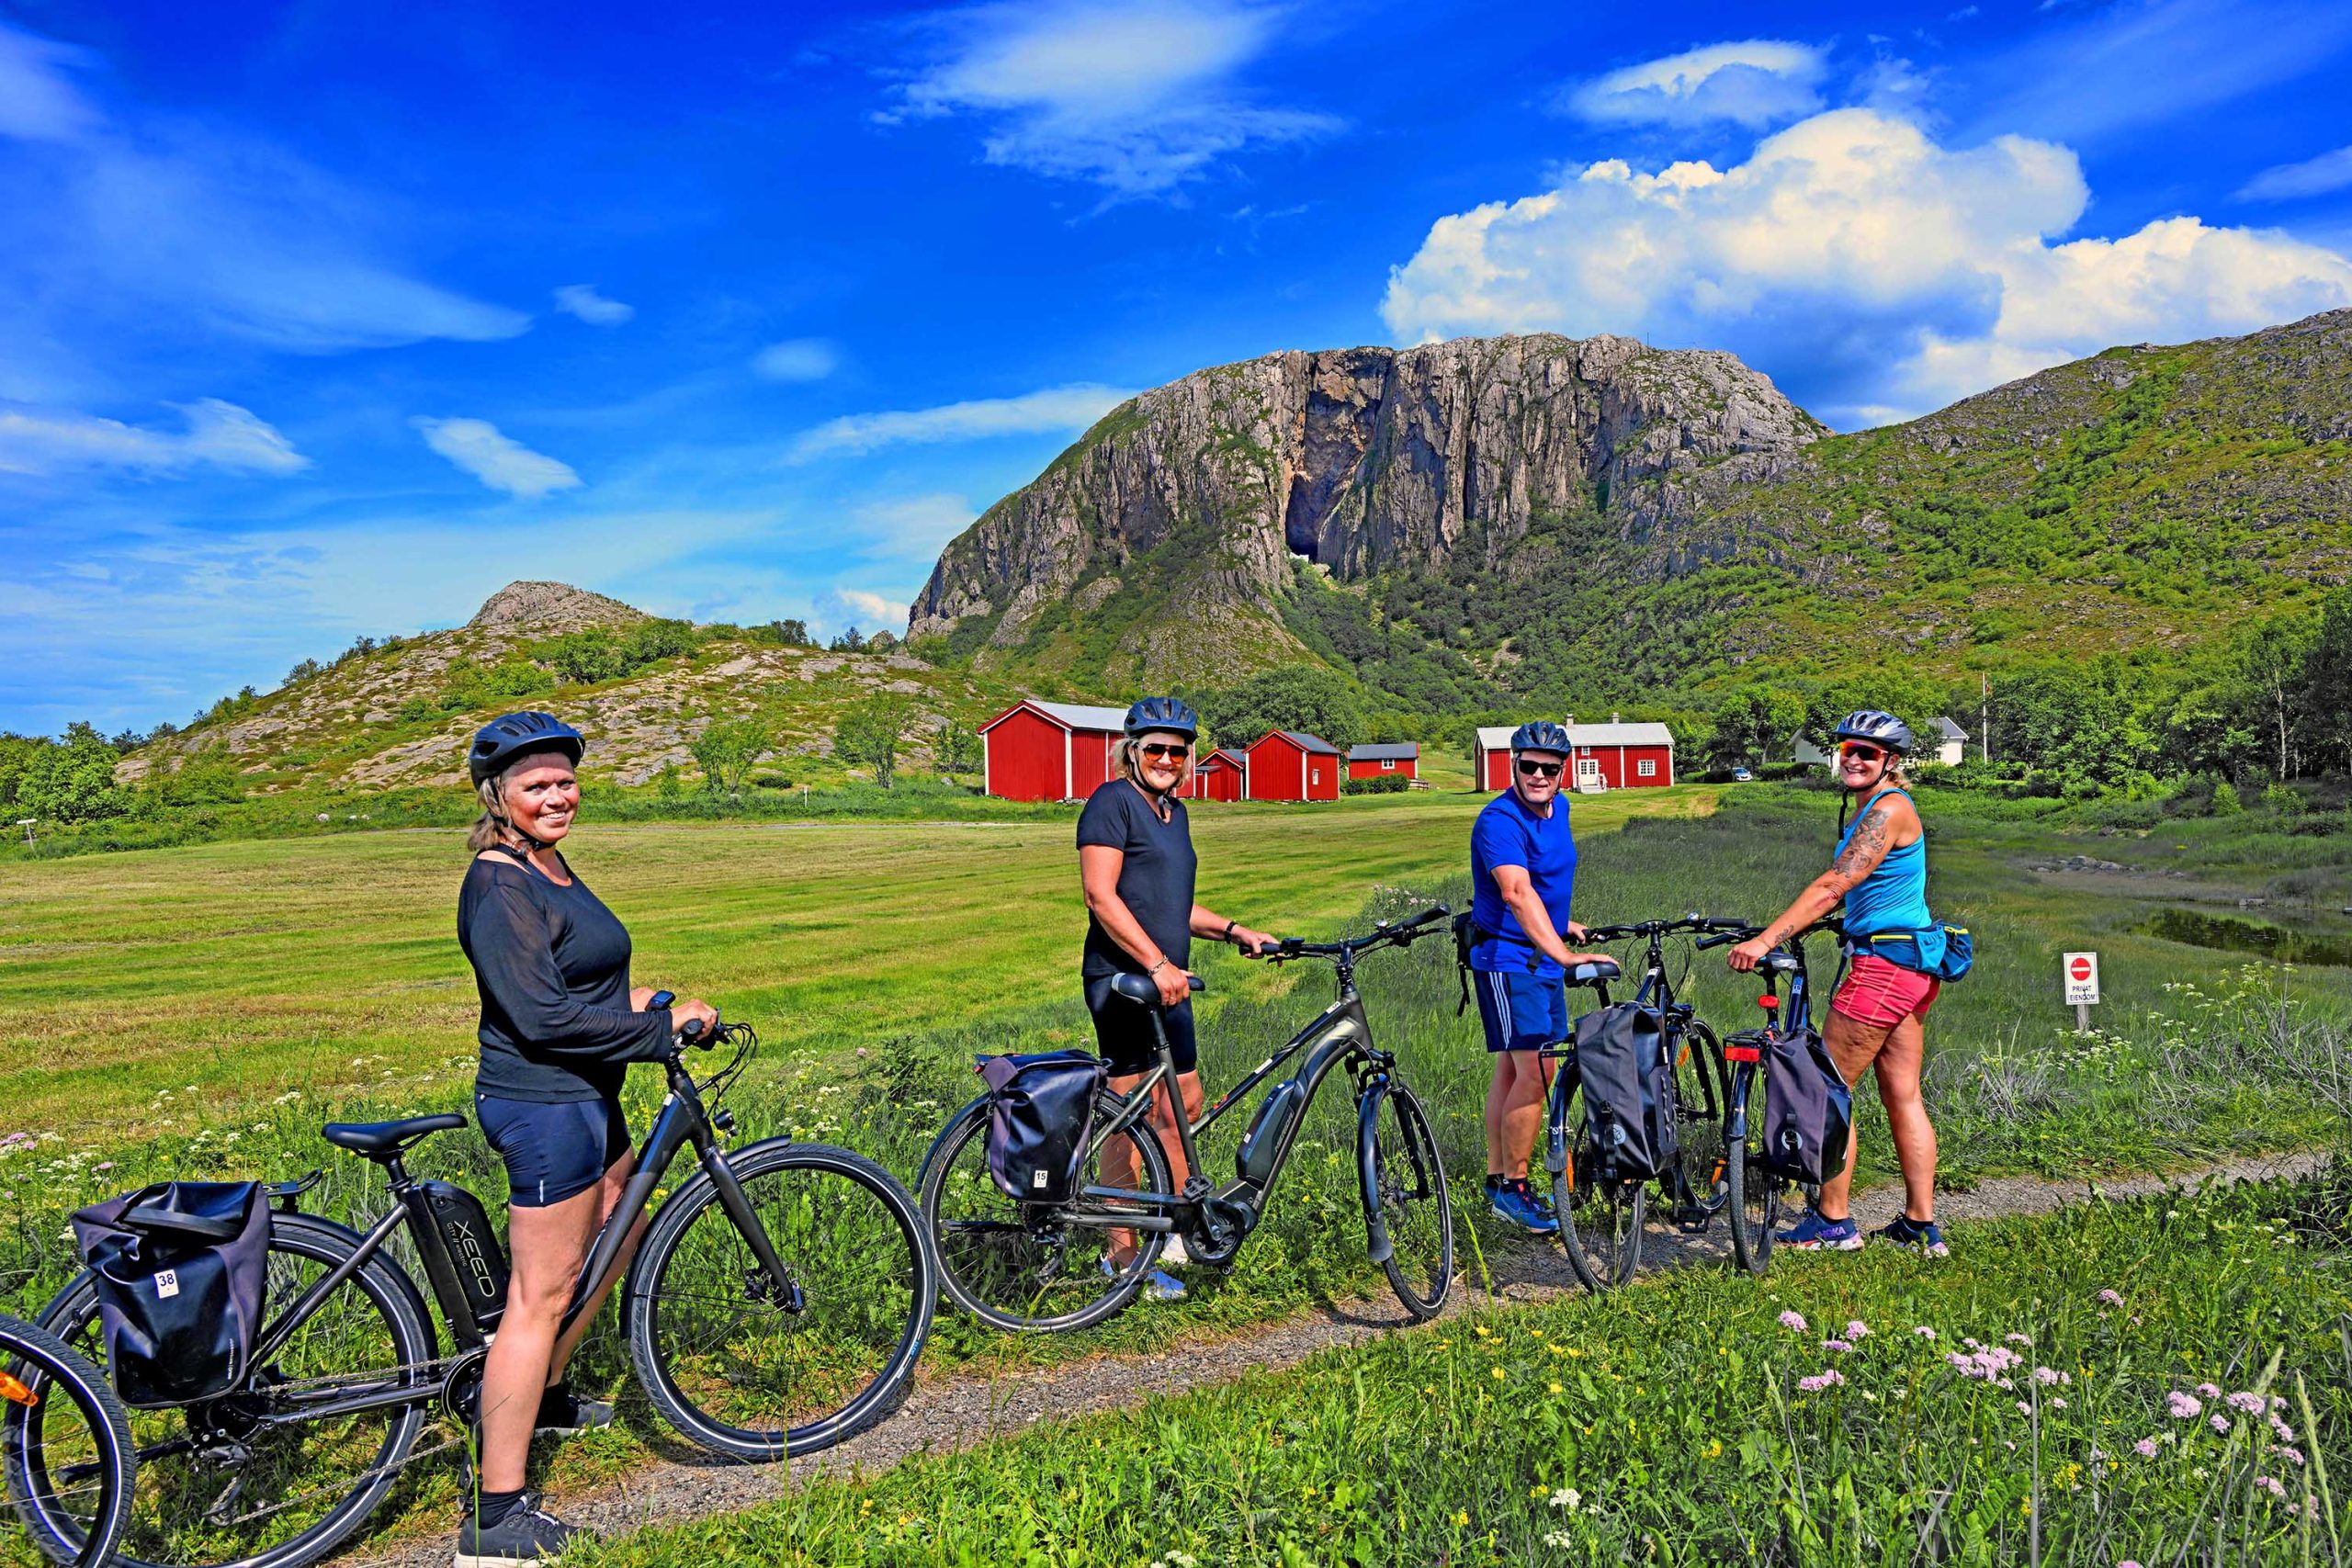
(1693, 1220)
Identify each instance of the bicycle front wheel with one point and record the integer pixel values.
(1701, 1087)
(1406, 1191)
(1600, 1220)
(1756, 1192)
(738, 1370)
(1038, 1267)
(71, 1487)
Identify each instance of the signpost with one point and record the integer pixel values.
(26, 824)
(2079, 973)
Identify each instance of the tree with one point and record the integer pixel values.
(73, 780)
(725, 749)
(955, 749)
(1755, 724)
(1292, 696)
(870, 733)
(849, 642)
(790, 633)
(2325, 688)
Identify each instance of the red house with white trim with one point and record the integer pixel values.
(1380, 759)
(1616, 755)
(1287, 765)
(1036, 750)
(1218, 776)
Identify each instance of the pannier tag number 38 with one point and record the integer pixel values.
(168, 1284)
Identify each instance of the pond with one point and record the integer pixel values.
(2282, 943)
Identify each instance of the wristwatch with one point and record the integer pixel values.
(1227, 934)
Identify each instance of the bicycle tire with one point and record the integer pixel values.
(1756, 1190)
(1701, 1098)
(831, 1215)
(982, 1237)
(1411, 1197)
(174, 1473)
(1600, 1223)
(57, 1368)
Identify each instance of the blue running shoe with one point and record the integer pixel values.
(1517, 1203)
(1814, 1234)
(1161, 1286)
(1919, 1235)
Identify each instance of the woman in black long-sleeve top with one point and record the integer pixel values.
(559, 1026)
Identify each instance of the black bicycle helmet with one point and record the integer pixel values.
(514, 735)
(1170, 715)
(1541, 735)
(1878, 729)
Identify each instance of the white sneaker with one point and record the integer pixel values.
(1173, 1254)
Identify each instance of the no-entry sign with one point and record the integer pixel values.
(2081, 972)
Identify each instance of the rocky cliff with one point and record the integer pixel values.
(1158, 545)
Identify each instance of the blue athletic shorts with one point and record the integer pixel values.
(552, 1152)
(1521, 1012)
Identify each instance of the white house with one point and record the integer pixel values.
(1949, 746)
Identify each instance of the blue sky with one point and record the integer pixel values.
(319, 320)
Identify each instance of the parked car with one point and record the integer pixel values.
(1741, 775)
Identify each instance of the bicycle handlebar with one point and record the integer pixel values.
(1691, 923)
(1404, 934)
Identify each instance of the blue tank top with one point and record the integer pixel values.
(1893, 896)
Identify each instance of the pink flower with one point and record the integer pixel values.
(2218, 1423)
(2048, 1376)
(2128, 1562)
(2271, 1485)
(103, 1165)
(2109, 1298)
(2208, 1391)
(2182, 1405)
(2016, 1338)
(2248, 1403)
(2283, 1432)
(1793, 1321)
(1856, 1329)
(2146, 1447)
(1837, 1345)
(1820, 1381)
(1923, 1331)
(2024, 1408)
(2290, 1453)
(2057, 1405)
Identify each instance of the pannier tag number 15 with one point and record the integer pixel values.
(168, 1284)
(1037, 1178)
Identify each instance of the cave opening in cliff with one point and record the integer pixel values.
(1298, 516)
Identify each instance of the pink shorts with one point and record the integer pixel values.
(1883, 994)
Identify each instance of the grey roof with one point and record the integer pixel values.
(1952, 731)
(1385, 752)
(1495, 736)
(1079, 716)
(1315, 744)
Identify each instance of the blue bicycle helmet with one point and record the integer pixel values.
(514, 735)
(1541, 735)
(1170, 715)
(1878, 729)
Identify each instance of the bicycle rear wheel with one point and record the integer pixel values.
(1032, 1266)
(252, 1478)
(1408, 1192)
(1756, 1194)
(742, 1373)
(1702, 1090)
(72, 1489)
(1601, 1221)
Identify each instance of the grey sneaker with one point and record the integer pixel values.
(525, 1538)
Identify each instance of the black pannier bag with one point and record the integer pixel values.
(1808, 1109)
(180, 1290)
(1040, 1117)
(1628, 1092)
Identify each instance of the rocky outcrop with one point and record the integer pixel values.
(1364, 460)
(544, 609)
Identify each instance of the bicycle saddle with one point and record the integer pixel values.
(1592, 971)
(382, 1139)
(1141, 989)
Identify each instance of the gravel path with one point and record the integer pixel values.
(960, 1412)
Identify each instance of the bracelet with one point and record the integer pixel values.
(1155, 968)
(1227, 934)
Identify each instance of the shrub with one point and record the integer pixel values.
(726, 748)
(1386, 783)
(2225, 799)
(871, 733)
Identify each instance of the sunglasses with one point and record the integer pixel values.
(1170, 753)
(1860, 752)
(1540, 770)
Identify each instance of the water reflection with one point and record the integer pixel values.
(2279, 942)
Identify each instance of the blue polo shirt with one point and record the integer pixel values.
(1508, 833)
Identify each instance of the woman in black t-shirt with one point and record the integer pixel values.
(559, 1025)
(1135, 864)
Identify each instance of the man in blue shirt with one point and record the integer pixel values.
(1522, 870)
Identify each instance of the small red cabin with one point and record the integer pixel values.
(1036, 750)
(1286, 764)
(1218, 776)
(1608, 756)
(1380, 759)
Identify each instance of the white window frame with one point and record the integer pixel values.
(1646, 768)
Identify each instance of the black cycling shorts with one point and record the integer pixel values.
(552, 1152)
(1123, 1031)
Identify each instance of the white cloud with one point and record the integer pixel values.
(498, 461)
(1137, 95)
(38, 100)
(860, 604)
(2313, 176)
(796, 359)
(581, 299)
(1070, 408)
(218, 434)
(913, 525)
(1901, 272)
(1753, 83)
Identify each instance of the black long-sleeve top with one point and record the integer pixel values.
(552, 964)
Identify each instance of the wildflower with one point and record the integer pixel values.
(2128, 1562)
(1923, 1331)
(1856, 1329)
(2182, 1405)
(2272, 1484)
(1837, 1345)
(1461, 1518)
(2290, 1453)
(2208, 1390)
(1555, 1388)
(2058, 1404)
(2024, 1408)
(2280, 1430)
(1820, 1381)
(2146, 1447)
(2218, 1423)
(1567, 1497)
(2018, 1338)
(2097, 1453)
(2109, 1298)
(1715, 1450)
(103, 1165)
(2248, 1403)
(2048, 1376)
(1793, 1321)
(1499, 1375)
(1558, 1538)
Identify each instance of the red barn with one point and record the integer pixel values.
(1285, 764)
(1218, 776)
(1608, 756)
(1380, 759)
(1036, 750)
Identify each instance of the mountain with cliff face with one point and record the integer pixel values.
(1487, 516)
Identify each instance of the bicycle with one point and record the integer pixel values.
(777, 1305)
(1040, 1268)
(1754, 1185)
(72, 1493)
(1601, 1221)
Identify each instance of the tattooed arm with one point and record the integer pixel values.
(1889, 823)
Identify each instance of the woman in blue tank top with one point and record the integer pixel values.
(1877, 1018)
